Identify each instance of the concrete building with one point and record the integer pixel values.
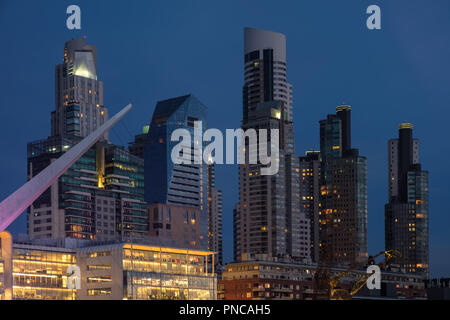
(142, 272)
(343, 193)
(78, 92)
(176, 224)
(38, 269)
(406, 214)
(267, 219)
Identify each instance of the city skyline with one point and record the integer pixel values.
(377, 160)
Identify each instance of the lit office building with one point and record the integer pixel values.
(142, 272)
(100, 197)
(183, 184)
(406, 214)
(40, 269)
(78, 92)
(343, 202)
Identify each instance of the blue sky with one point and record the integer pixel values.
(153, 50)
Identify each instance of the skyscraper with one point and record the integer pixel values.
(215, 208)
(137, 147)
(267, 219)
(343, 203)
(78, 92)
(265, 77)
(101, 196)
(309, 180)
(177, 184)
(406, 214)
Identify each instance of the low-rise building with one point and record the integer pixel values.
(260, 278)
(48, 269)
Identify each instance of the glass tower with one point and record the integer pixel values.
(177, 184)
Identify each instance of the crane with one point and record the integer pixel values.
(337, 293)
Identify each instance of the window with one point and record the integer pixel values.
(99, 267)
(99, 279)
(99, 292)
(100, 254)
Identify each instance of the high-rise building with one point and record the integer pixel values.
(137, 147)
(267, 219)
(78, 92)
(100, 197)
(406, 214)
(265, 73)
(40, 269)
(181, 184)
(215, 209)
(309, 180)
(343, 202)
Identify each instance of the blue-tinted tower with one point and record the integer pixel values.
(177, 184)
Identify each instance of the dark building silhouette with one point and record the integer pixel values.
(406, 214)
(343, 193)
(137, 147)
(309, 182)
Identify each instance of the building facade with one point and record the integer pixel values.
(100, 197)
(215, 212)
(406, 214)
(183, 184)
(137, 147)
(175, 224)
(260, 278)
(309, 180)
(343, 193)
(142, 272)
(40, 269)
(267, 219)
(78, 92)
